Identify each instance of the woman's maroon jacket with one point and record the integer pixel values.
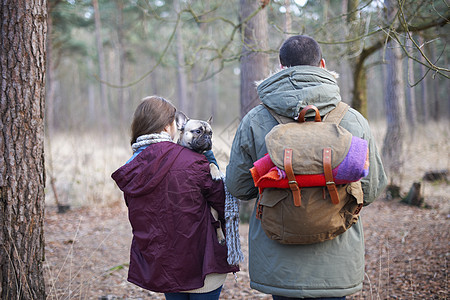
(168, 190)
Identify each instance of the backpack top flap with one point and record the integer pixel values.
(308, 139)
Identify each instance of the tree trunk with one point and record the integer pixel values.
(92, 112)
(213, 82)
(423, 85)
(445, 105)
(352, 10)
(359, 99)
(181, 74)
(434, 87)
(50, 85)
(121, 54)
(101, 65)
(410, 93)
(414, 196)
(395, 109)
(254, 63)
(288, 19)
(22, 178)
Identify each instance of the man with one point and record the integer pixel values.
(331, 269)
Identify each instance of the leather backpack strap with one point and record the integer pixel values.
(293, 185)
(327, 170)
(279, 118)
(335, 116)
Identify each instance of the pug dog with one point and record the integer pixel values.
(197, 136)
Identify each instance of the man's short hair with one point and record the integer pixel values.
(300, 50)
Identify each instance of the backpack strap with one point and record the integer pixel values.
(279, 118)
(293, 185)
(336, 115)
(327, 171)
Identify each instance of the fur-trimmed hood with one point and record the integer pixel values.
(288, 91)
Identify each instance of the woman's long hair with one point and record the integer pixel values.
(152, 115)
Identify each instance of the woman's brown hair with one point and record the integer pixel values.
(152, 115)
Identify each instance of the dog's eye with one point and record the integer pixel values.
(198, 131)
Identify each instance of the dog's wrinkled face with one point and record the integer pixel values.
(195, 134)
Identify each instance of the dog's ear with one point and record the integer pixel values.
(181, 120)
(209, 120)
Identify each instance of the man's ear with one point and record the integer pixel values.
(180, 119)
(322, 64)
(209, 120)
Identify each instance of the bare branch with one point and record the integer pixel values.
(429, 64)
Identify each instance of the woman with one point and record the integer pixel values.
(168, 190)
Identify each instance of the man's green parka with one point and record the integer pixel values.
(333, 268)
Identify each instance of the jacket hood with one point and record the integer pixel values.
(146, 171)
(290, 90)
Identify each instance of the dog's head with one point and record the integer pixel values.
(194, 134)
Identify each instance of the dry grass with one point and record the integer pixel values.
(82, 164)
(428, 149)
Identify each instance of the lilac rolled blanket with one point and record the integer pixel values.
(356, 163)
(354, 167)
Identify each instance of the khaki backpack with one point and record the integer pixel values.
(297, 213)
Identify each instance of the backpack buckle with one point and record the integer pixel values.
(358, 209)
(259, 209)
(328, 173)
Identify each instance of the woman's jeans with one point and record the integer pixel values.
(275, 297)
(214, 295)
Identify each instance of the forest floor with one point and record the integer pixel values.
(406, 254)
(87, 247)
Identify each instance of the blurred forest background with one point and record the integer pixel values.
(104, 56)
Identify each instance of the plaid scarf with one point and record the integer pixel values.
(149, 139)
